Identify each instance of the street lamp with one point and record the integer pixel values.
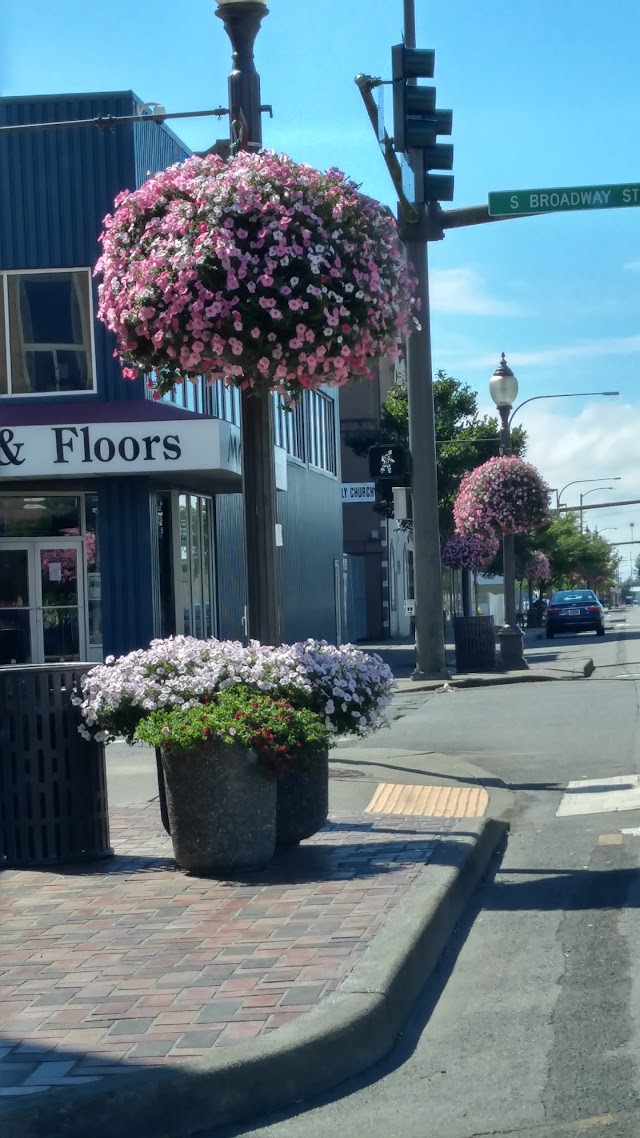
(503, 388)
(581, 481)
(242, 19)
(594, 490)
(560, 395)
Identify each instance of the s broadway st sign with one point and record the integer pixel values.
(511, 203)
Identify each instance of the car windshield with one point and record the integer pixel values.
(580, 595)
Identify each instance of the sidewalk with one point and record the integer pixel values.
(135, 999)
(400, 656)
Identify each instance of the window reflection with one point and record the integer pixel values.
(196, 580)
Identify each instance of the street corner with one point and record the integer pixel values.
(156, 1020)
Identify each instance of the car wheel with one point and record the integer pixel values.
(550, 634)
(600, 631)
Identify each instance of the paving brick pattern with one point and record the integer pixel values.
(131, 962)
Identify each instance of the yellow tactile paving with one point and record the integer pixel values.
(429, 801)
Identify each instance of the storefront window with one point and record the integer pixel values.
(39, 516)
(196, 590)
(167, 606)
(94, 584)
(49, 315)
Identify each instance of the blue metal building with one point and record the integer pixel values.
(121, 517)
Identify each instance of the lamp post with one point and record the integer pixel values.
(503, 388)
(242, 19)
(594, 490)
(581, 481)
(631, 524)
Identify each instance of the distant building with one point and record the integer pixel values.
(121, 517)
(379, 551)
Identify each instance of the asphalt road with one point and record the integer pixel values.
(531, 1026)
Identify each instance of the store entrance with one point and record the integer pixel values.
(42, 605)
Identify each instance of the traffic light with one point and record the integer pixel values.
(388, 461)
(417, 122)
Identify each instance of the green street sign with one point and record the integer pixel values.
(559, 200)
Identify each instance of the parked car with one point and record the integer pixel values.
(574, 610)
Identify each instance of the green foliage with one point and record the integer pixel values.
(461, 439)
(236, 716)
(576, 557)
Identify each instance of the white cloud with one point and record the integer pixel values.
(582, 350)
(462, 292)
(601, 442)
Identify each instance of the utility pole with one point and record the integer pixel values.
(242, 19)
(430, 649)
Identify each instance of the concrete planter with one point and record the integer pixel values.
(303, 800)
(221, 807)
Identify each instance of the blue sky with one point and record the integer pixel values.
(543, 95)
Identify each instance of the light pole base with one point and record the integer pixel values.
(418, 674)
(511, 641)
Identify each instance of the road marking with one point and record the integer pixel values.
(600, 796)
(429, 801)
(611, 839)
(631, 831)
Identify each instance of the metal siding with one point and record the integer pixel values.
(56, 187)
(311, 516)
(128, 564)
(155, 148)
(230, 566)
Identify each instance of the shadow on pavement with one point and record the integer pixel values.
(465, 779)
(571, 890)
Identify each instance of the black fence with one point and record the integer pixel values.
(53, 789)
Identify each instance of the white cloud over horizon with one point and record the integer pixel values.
(601, 442)
(463, 292)
(582, 350)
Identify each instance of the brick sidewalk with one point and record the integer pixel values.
(130, 962)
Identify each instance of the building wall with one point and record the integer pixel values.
(365, 531)
(130, 604)
(310, 513)
(56, 186)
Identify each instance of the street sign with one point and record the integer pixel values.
(562, 199)
(358, 492)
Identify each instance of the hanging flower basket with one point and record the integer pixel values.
(473, 552)
(259, 270)
(538, 567)
(505, 495)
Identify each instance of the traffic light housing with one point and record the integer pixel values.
(417, 122)
(388, 461)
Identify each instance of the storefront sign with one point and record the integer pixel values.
(358, 492)
(120, 448)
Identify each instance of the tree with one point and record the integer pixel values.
(464, 440)
(575, 557)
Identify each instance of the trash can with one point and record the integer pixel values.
(475, 642)
(53, 787)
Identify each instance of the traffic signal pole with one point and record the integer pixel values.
(427, 573)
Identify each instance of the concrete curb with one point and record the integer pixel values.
(582, 669)
(343, 1036)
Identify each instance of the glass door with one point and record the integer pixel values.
(17, 606)
(59, 579)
